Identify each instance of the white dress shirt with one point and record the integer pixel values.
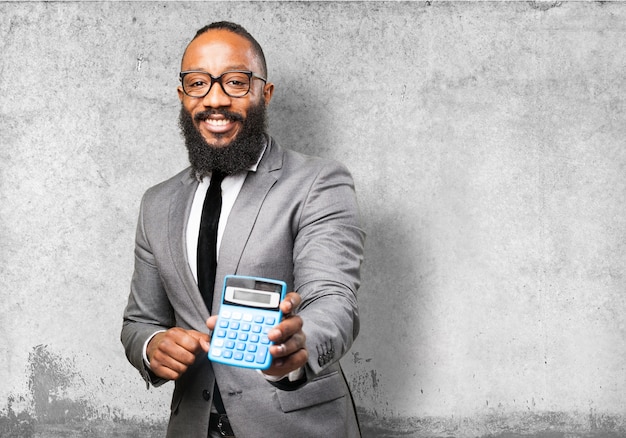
(231, 185)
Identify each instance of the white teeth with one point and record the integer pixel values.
(219, 122)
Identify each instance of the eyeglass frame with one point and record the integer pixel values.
(218, 79)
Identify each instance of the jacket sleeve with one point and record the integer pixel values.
(148, 309)
(328, 252)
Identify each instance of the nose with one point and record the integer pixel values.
(216, 97)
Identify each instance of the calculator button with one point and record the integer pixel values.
(260, 356)
(241, 336)
(218, 343)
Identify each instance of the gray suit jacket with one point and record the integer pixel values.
(295, 219)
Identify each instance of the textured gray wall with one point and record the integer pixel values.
(487, 145)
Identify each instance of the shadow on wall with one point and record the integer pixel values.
(393, 285)
(298, 118)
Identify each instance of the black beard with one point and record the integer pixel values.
(242, 152)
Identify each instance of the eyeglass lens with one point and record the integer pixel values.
(235, 84)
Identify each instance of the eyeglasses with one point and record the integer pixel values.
(234, 83)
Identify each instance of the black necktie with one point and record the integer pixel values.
(207, 239)
(207, 254)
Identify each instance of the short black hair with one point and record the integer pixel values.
(241, 31)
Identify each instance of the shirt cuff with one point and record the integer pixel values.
(146, 361)
(293, 376)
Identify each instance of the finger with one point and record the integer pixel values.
(290, 303)
(210, 323)
(202, 338)
(190, 340)
(171, 352)
(177, 343)
(287, 328)
(167, 366)
(284, 365)
(164, 363)
(164, 372)
(180, 349)
(289, 346)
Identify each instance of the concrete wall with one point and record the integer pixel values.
(487, 145)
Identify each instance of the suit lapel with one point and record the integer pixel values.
(244, 214)
(180, 208)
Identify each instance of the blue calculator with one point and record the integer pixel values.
(248, 311)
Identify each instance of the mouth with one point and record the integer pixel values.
(218, 126)
(218, 123)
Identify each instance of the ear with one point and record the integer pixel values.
(181, 94)
(268, 92)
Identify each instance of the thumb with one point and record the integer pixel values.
(202, 338)
(210, 323)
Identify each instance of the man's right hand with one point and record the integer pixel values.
(171, 352)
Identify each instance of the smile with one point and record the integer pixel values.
(219, 125)
(218, 122)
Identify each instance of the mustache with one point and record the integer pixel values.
(203, 115)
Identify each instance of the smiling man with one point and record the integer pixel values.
(230, 117)
(246, 206)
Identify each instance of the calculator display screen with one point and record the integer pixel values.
(262, 299)
(248, 295)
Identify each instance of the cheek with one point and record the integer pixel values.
(189, 105)
(240, 107)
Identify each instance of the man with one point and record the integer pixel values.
(283, 215)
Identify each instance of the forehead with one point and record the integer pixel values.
(218, 50)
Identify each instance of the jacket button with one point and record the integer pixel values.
(206, 395)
